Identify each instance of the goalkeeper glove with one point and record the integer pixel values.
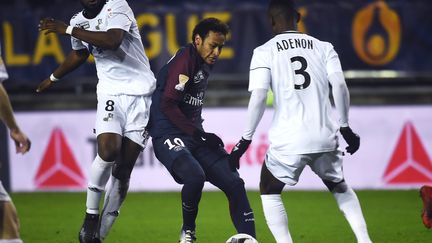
(237, 152)
(209, 139)
(352, 139)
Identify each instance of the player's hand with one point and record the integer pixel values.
(22, 143)
(352, 139)
(237, 152)
(209, 139)
(50, 25)
(44, 85)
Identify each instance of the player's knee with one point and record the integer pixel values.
(338, 187)
(122, 171)
(235, 187)
(188, 172)
(193, 178)
(270, 188)
(108, 153)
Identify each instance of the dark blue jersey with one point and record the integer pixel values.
(178, 99)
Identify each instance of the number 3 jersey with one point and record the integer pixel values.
(127, 69)
(296, 67)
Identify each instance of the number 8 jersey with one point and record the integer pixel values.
(296, 67)
(127, 69)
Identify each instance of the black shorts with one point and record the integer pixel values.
(169, 147)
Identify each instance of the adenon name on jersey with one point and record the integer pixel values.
(293, 44)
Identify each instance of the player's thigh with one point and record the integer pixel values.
(286, 168)
(172, 149)
(220, 175)
(268, 183)
(209, 156)
(328, 166)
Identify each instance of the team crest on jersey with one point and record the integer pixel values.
(183, 79)
(84, 25)
(199, 76)
(98, 25)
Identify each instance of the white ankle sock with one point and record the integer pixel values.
(276, 217)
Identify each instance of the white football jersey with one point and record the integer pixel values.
(296, 67)
(127, 69)
(3, 72)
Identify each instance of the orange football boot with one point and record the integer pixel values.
(426, 195)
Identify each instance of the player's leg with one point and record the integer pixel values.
(220, 175)
(173, 152)
(133, 112)
(273, 207)
(9, 223)
(329, 167)
(277, 171)
(190, 173)
(108, 130)
(109, 145)
(117, 191)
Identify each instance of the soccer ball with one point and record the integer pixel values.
(241, 238)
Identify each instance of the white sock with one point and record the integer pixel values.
(114, 197)
(100, 172)
(350, 206)
(276, 217)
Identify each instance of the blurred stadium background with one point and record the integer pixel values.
(385, 50)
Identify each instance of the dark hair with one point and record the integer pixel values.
(210, 24)
(284, 7)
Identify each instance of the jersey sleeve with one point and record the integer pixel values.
(120, 16)
(179, 74)
(260, 70)
(76, 43)
(333, 64)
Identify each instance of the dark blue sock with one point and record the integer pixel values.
(240, 210)
(191, 195)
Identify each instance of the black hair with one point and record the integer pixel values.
(286, 8)
(209, 24)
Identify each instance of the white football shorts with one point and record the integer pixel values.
(126, 115)
(288, 168)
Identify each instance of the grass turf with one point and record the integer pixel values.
(392, 216)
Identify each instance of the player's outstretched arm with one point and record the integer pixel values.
(74, 59)
(22, 143)
(255, 112)
(109, 40)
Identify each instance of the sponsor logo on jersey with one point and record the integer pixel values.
(58, 168)
(183, 79)
(194, 101)
(410, 163)
(84, 25)
(199, 76)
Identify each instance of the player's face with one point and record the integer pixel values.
(211, 47)
(92, 5)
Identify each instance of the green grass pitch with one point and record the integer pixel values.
(392, 216)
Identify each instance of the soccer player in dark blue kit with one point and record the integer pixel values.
(190, 154)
